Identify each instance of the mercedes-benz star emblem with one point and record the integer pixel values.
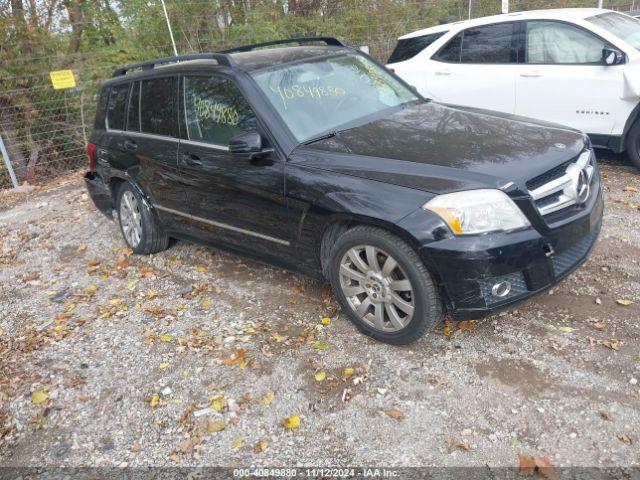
(561, 146)
(582, 186)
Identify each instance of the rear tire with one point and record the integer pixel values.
(139, 227)
(633, 144)
(383, 285)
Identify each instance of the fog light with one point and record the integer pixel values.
(501, 289)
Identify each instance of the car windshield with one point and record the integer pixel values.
(622, 26)
(323, 95)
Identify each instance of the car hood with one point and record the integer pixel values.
(440, 148)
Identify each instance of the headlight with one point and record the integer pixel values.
(477, 211)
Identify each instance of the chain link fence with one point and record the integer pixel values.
(44, 130)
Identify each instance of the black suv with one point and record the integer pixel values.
(318, 159)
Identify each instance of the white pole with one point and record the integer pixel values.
(166, 16)
(7, 162)
(469, 9)
(600, 3)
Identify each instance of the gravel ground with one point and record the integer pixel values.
(196, 357)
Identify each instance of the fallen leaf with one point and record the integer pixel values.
(163, 365)
(261, 446)
(348, 372)
(320, 376)
(624, 438)
(188, 444)
(325, 321)
(605, 415)
(466, 325)
(320, 345)
(216, 427)
(566, 329)
(600, 325)
(268, 397)
(219, 403)
(155, 400)
(291, 422)
(448, 328)
(630, 189)
(166, 338)
(39, 397)
(624, 303)
(122, 262)
(200, 268)
(81, 248)
(395, 413)
(541, 465)
(612, 344)
(237, 443)
(147, 272)
(91, 288)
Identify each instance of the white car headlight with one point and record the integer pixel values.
(472, 212)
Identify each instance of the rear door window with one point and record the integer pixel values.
(409, 47)
(158, 107)
(451, 51)
(117, 106)
(216, 111)
(488, 44)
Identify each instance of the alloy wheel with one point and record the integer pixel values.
(377, 288)
(130, 219)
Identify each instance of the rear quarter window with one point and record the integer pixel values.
(409, 47)
(117, 106)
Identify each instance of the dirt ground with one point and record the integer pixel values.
(197, 357)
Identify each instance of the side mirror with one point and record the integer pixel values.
(612, 56)
(248, 146)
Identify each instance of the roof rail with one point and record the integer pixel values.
(221, 58)
(334, 42)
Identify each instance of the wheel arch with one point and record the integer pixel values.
(337, 224)
(633, 117)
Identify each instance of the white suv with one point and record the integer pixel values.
(576, 67)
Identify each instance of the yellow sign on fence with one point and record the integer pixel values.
(62, 79)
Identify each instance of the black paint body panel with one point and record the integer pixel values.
(379, 173)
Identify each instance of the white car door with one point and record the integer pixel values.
(476, 68)
(563, 79)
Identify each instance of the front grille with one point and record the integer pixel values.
(566, 260)
(564, 186)
(547, 177)
(518, 287)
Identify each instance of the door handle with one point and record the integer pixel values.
(443, 72)
(130, 145)
(191, 159)
(533, 74)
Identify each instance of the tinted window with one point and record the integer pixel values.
(451, 51)
(117, 106)
(133, 115)
(560, 43)
(216, 110)
(158, 107)
(410, 47)
(489, 44)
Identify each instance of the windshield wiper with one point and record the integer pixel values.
(324, 136)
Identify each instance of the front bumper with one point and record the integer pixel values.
(531, 260)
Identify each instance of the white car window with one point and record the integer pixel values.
(560, 43)
(622, 26)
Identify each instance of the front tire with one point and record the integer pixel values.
(383, 285)
(139, 227)
(633, 144)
